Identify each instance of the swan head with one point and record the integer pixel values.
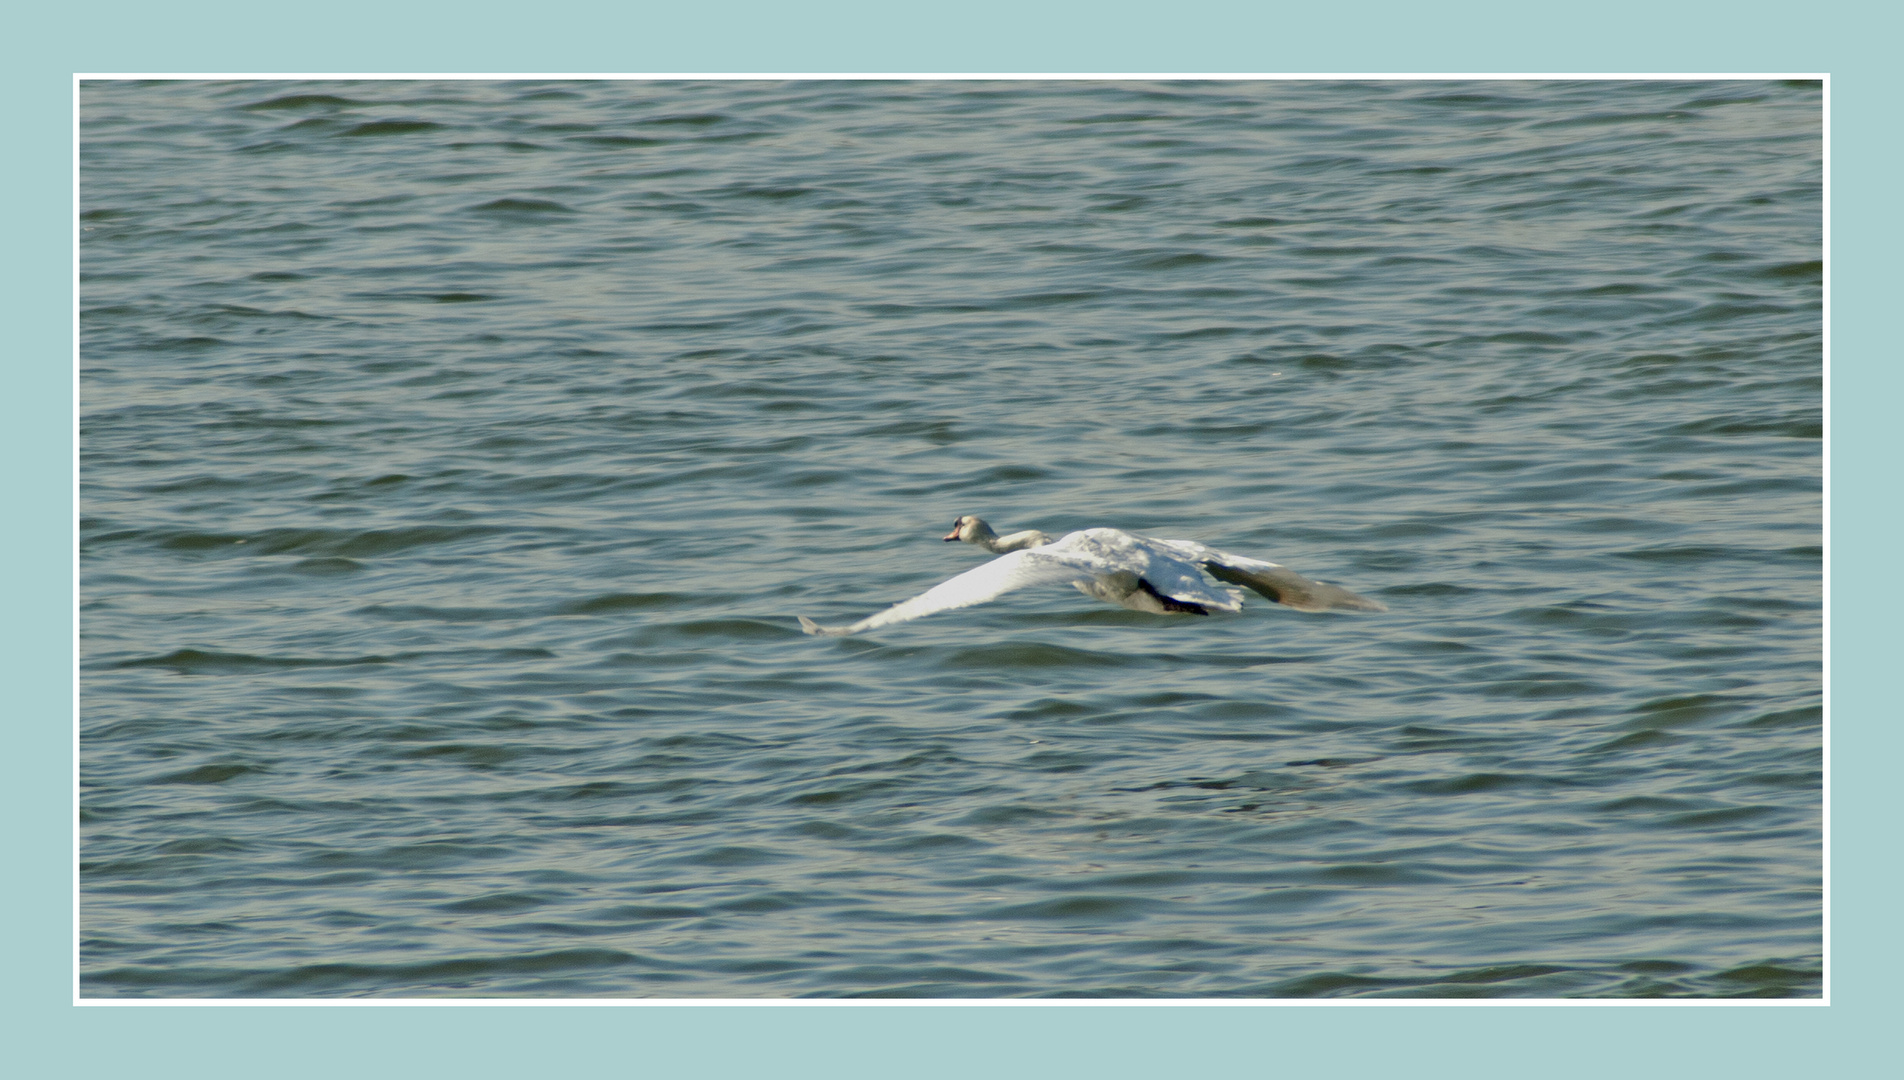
(971, 529)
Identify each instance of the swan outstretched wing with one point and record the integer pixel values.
(1278, 583)
(988, 582)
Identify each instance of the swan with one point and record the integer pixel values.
(1164, 577)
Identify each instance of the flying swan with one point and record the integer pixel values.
(1158, 576)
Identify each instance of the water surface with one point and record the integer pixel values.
(457, 456)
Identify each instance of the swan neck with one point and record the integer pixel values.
(1019, 541)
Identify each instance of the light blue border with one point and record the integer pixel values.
(51, 1037)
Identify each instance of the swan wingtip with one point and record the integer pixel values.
(817, 630)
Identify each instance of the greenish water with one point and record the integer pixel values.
(457, 456)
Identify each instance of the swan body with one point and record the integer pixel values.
(1137, 572)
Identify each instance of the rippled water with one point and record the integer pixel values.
(457, 456)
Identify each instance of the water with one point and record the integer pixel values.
(457, 456)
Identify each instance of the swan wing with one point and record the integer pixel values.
(1015, 570)
(1278, 583)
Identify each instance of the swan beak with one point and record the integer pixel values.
(954, 536)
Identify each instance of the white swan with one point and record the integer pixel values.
(1158, 576)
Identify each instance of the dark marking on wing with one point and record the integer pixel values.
(1171, 603)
